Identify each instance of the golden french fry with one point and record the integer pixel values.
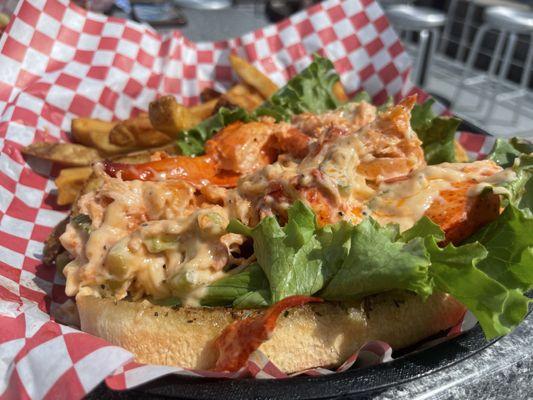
(102, 143)
(137, 132)
(121, 135)
(70, 154)
(70, 182)
(252, 76)
(339, 92)
(460, 153)
(169, 117)
(243, 96)
(83, 128)
(95, 133)
(204, 110)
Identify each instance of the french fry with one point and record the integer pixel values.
(70, 154)
(204, 110)
(209, 94)
(167, 116)
(102, 143)
(137, 132)
(243, 96)
(146, 155)
(82, 128)
(95, 133)
(252, 76)
(70, 182)
(339, 92)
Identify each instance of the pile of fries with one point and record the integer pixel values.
(139, 138)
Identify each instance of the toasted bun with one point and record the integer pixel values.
(317, 335)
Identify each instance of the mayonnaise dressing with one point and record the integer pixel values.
(494, 182)
(405, 202)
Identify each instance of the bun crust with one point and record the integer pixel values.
(314, 335)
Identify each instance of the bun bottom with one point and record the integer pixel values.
(314, 335)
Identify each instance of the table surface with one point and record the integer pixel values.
(503, 370)
(224, 24)
(208, 26)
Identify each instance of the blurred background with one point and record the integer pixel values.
(475, 56)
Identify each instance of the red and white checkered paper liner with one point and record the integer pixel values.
(57, 62)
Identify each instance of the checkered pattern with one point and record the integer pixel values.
(58, 61)
(134, 374)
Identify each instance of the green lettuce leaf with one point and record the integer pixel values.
(454, 270)
(423, 228)
(285, 254)
(484, 275)
(334, 248)
(309, 91)
(522, 145)
(344, 262)
(436, 133)
(377, 263)
(191, 142)
(503, 153)
(516, 154)
(510, 249)
(247, 288)
(361, 96)
(253, 299)
(348, 261)
(521, 188)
